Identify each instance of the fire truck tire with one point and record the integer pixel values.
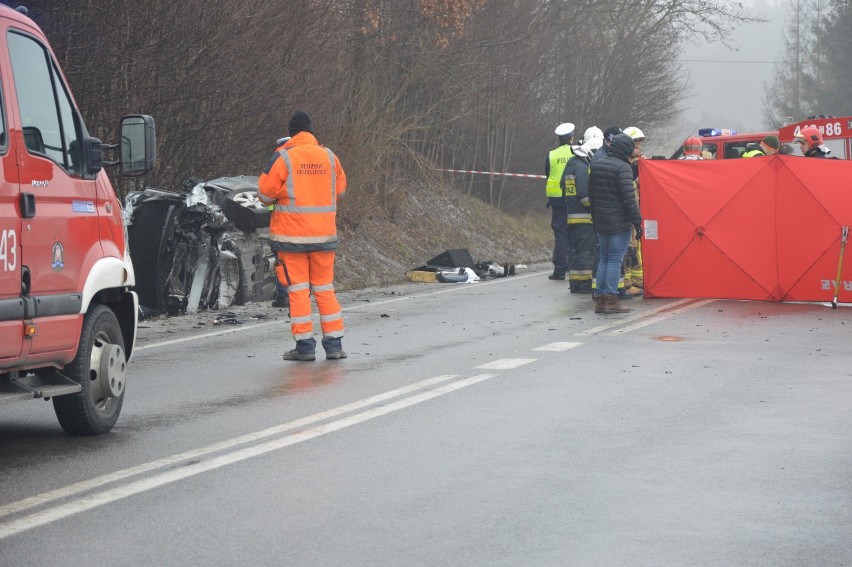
(100, 366)
(244, 209)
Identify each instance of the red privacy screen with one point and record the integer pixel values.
(766, 228)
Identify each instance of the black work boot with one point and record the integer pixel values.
(556, 276)
(584, 287)
(305, 351)
(333, 348)
(624, 294)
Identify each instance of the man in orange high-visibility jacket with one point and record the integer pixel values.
(303, 181)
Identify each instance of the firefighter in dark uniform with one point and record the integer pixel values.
(581, 234)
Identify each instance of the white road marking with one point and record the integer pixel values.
(657, 317)
(173, 460)
(505, 363)
(622, 320)
(558, 347)
(210, 334)
(85, 503)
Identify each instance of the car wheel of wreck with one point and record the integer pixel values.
(245, 210)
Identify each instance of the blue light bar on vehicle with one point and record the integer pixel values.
(709, 132)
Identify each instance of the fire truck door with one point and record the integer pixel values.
(60, 240)
(11, 303)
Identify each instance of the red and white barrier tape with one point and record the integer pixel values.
(496, 173)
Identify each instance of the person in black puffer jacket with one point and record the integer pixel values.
(615, 213)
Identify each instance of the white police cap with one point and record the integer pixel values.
(565, 129)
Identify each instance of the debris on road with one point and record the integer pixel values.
(457, 266)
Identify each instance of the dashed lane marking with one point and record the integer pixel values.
(558, 347)
(505, 363)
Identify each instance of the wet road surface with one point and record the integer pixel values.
(498, 423)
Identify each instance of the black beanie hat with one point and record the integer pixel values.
(610, 132)
(300, 122)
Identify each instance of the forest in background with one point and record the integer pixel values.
(813, 76)
(398, 88)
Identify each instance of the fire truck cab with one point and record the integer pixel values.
(67, 309)
(836, 133)
(720, 143)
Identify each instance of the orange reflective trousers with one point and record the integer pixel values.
(306, 273)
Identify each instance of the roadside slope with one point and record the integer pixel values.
(380, 250)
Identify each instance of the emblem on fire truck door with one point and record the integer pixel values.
(58, 257)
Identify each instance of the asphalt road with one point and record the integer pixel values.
(497, 423)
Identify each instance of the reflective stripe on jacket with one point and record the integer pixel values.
(575, 184)
(557, 159)
(303, 180)
(754, 153)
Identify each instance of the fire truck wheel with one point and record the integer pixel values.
(100, 367)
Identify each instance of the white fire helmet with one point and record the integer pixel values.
(593, 138)
(634, 133)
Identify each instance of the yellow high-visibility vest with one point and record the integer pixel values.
(558, 160)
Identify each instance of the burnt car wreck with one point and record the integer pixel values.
(203, 248)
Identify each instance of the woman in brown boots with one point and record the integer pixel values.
(615, 214)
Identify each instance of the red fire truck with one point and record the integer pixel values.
(836, 132)
(721, 143)
(67, 309)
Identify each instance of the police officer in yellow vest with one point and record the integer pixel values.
(768, 146)
(553, 168)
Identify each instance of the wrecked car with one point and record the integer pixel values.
(205, 247)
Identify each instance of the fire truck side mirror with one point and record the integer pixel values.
(93, 155)
(138, 147)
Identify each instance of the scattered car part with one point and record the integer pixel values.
(421, 276)
(463, 275)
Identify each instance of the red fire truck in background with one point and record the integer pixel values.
(836, 132)
(721, 143)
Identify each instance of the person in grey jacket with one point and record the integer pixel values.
(615, 214)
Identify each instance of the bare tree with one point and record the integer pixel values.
(792, 94)
(395, 87)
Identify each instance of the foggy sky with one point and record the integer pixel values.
(730, 94)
